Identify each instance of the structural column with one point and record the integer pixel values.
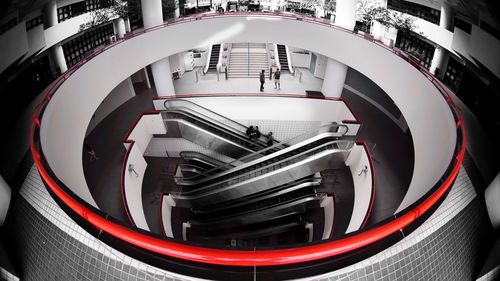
(56, 51)
(335, 73)
(58, 56)
(446, 16)
(162, 75)
(438, 61)
(119, 27)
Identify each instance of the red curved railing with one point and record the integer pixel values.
(238, 257)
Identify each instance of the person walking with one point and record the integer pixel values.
(277, 76)
(269, 139)
(262, 78)
(90, 151)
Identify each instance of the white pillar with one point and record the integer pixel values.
(5, 194)
(335, 74)
(162, 75)
(492, 197)
(119, 28)
(446, 16)
(59, 59)
(51, 13)
(437, 60)
(151, 13)
(127, 25)
(345, 13)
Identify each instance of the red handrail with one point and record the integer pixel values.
(246, 258)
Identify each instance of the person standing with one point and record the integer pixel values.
(269, 139)
(277, 76)
(257, 134)
(250, 132)
(262, 79)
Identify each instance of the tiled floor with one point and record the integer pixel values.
(209, 84)
(50, 246)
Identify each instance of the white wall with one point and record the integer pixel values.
(177, 63)
(492, 198)
(486, 49)
(5, 195)
(36, 40)
(66, 117)
(272, 108)
(118, 96)
(356, 161)
(461, 43)
(328, 205)
(143, 132)
(300, 60)
(166, 215)
(321, 62)
(133, 187)
(14, 44)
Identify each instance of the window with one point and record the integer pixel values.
(8, 25)
(77, 9)
(30, 24)
(76, 48)
(453, 74)
(417, 10)
(490, 29)
(463, 25)
(414, 45)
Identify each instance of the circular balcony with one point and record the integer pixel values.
(62, 116)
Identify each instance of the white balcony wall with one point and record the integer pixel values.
(66, 117)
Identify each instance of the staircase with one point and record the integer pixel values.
(247, 60)
(214, 57)
(282, 57)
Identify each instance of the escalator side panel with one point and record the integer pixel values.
(211, 141)
(329, 159)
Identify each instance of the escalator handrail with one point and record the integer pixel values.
(218, 220)
(203, 108)
(278, 146)
(195, 113)
(200, 157)
(208, 189)
(287, 188)
(208, 123)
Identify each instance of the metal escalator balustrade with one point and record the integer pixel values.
(202, 160)
(235, 138)
(274, 210)
(279, 157)
(259, 203)
(335, 130)
(277, 191)
(308, 162)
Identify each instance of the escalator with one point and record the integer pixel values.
(205, 161)
(295, 202)
(287, 165)
(214, 58)
(230, 206)
(253, 235)
(199, 164)
(210, 135)
(283, 57)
